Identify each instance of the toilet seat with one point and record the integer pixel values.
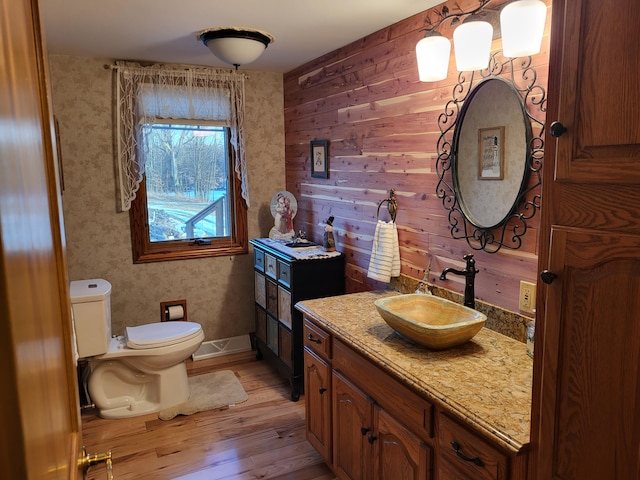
(161, 334)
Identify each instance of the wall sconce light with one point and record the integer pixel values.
(521, 24)
(433, 57)
(235, 45)
(472, 44)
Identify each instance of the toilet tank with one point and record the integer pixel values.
(91, 309)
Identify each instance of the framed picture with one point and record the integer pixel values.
(319, 159)
(491, 153)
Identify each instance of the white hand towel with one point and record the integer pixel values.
(385, 253)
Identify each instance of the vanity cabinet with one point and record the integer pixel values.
(355, 435)
(281, 280)
(376, 427)
(585, 416)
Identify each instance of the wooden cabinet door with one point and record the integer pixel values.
(590, 422)
(585, 420)
(317, 380)
(352, 430)
(398, 453)
(596, 54)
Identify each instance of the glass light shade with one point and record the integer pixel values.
(236, 46)
(432, 53)
(472, 45)
(522, 25)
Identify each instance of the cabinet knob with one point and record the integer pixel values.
(557, 129)
(475, 460)
(364, 431)
(322, 390)
(548, 277)
(371, 439)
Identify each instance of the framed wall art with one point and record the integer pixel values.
(319, 158)
(491, 153)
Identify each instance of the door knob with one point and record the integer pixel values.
(557, 129)
(89, 459)
(548, 277)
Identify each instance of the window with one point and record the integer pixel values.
(186, 206)
(181, 161)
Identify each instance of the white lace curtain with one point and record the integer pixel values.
(144, 94)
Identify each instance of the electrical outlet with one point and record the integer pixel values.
(527, 296)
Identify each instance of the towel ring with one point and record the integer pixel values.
(392, 205)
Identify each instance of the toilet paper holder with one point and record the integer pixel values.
(173, 310)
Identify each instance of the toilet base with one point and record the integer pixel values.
(119, 390)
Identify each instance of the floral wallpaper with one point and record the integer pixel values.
(219, 291)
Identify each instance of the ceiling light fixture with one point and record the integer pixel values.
(521, 24)
(236, 45)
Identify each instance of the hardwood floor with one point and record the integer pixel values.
(262, 438)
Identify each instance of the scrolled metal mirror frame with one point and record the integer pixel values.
(509, 232)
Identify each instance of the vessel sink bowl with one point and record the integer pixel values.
(434, 322)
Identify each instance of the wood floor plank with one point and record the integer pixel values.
(262, 438)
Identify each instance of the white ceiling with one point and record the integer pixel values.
(164, 31)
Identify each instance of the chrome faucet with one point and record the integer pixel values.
(469, 274)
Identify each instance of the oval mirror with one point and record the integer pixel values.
(490, 153)
(491, 148)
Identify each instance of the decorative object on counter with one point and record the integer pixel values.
(283, 208)
(385, 253)
(300, 240)
(319, 158)
(328, 242)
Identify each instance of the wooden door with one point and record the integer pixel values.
(398, 453)
(353, 433)
(40, 427)
(585, 416)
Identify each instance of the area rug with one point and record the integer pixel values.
(208, 391)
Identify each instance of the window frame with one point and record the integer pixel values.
(146, 251)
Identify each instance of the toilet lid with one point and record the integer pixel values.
(160, 334)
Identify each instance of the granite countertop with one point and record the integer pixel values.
(485, 382)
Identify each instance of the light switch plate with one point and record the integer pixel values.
(527, 302)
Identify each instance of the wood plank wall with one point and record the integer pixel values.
(382, 126)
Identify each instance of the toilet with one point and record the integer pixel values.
(140, 372)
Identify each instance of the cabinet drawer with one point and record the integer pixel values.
(284, 274)
(261, 324)
(258, 260)
(270, 266)
(260, 290)
(483, 462)
(411, 409)
(285, 346)
(272, 298)
(284, 306)
(272, 334)
(316, 339)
